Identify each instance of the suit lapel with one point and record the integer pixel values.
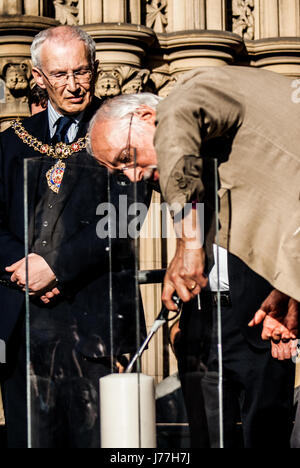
(38, 127)
(75, 165)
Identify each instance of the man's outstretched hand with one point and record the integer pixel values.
(279, 314)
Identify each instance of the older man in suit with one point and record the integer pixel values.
(245, 118)
(71, 267)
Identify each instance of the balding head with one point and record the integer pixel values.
(61, 35)
(121, 135)
(64, 65)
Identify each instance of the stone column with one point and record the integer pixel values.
(216, 16)
(121, 50)
(269, 18)
(114, 12)
(151, 259)
(279, 54)
(15, 64)
(184, 15)
(33, 8)
(289, 18)
(91, 12)
(11, 7)
(135, 12)
(187, 50)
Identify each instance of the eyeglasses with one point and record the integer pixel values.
(128, 155)
(58, 80)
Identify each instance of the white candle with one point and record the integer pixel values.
(127, 408)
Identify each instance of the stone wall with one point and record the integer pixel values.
(146, 45)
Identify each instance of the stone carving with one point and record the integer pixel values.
(163, 83)
(133, 80)
(243, 18)
(108, 84)
(17, 78)
(66, 11)
(156, 15)
(121, 80)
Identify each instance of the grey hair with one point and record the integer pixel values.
(74, 32)
(121, 108)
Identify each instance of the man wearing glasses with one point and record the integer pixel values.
(68, 264)
(191, 121)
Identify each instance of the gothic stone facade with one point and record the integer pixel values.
(145, 45)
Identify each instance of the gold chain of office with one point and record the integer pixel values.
(59, 151)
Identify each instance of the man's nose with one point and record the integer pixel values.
(72, 85)
(134, 174)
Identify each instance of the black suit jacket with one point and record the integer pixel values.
(96, 298)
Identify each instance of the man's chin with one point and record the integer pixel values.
(76, 106)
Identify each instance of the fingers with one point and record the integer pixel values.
(258, 318)
(282, 351)
(186, 292)
(46, 298)
(14, 266)
(168, 292)
(274, 330)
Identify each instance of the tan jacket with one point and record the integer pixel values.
(249, 118)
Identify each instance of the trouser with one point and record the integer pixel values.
(257, 389)
(64, 393)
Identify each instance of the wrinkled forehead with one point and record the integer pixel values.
(59, 49)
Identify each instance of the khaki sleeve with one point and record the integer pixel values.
(200, 108)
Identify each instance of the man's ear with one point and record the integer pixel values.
(38, 78)
(147, 114)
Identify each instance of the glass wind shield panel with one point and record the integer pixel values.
(108, 246)
(81, 296)
(182, 354)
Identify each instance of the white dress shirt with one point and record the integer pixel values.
(53, 117)
(223, 271)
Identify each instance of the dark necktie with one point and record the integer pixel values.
(62, 127)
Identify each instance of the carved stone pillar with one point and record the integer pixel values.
(135, 11)
(216, 15)
(269, 18)
(15, 65)
(36, 7)
(188, 50)
(115, 12)
(151, 258)
(289, 18)
(187, 15)
(11, 7)
(121, 50)
(92, 12)
(280, 55)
